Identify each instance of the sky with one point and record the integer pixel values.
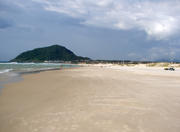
(144, 30)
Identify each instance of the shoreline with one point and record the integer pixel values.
(91, 99)
(19, 75)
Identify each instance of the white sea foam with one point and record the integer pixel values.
(8, 63)
(28, 67)
(5, 71)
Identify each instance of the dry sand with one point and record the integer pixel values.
(93, 99)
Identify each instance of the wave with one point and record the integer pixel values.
(5, 71)
(15, 63)
(29, 63)
(23, 67)
(32, 63)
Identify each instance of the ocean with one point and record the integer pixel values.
(11, 72)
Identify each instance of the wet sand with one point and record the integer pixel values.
(92, 99)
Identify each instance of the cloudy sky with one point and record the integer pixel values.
(99, 29)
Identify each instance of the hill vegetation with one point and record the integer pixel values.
(51, 53)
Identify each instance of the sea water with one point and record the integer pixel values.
(11, 72)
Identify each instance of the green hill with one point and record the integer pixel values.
(51, 53)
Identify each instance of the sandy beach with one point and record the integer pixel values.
(93, 99)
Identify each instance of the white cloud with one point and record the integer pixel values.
(159, 19)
